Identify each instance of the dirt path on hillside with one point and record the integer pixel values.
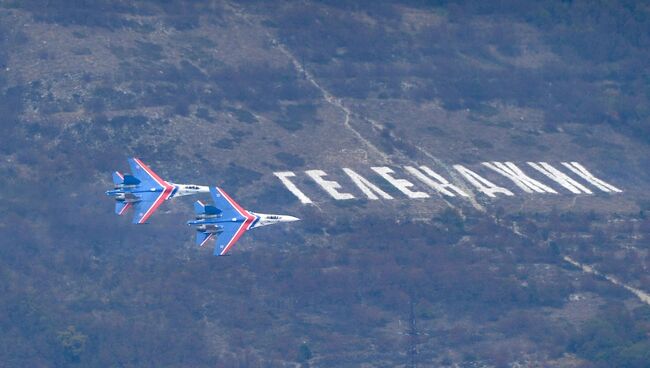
(642, 295)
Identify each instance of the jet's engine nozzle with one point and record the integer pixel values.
(209, 229)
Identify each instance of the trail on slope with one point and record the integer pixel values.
(300, 69)
(642, 295)
(330, 98)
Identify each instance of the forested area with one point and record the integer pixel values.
(210, 92)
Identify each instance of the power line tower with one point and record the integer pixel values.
(412, 333)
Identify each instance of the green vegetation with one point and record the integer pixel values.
(614, 338)
(72, 342)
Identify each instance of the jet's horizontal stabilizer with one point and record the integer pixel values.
(121, 207)
(199, 207)
(118, 178)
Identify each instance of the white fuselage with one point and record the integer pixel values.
(188, 189)
(267, 219)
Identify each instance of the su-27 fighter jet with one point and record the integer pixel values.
(228, 221)
(145, 190)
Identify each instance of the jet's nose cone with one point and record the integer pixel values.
(290, 219)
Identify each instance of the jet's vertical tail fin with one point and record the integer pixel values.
(124, 179)
(207, 210)
(118, 178)
(121, 207)
(130, 180)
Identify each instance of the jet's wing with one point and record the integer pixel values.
(229, 208)
(148, 178)
(231, 233)
(148, 204)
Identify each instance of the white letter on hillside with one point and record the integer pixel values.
(283, 176)
(401, 184)
(585, 174)
(366, 187)
(523, 181)
(483, 185)
(329, 186)
(441, 184)
(560, 177)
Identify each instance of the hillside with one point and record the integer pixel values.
(232, 93)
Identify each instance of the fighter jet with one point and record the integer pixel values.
(228, 221)
(145, 191)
